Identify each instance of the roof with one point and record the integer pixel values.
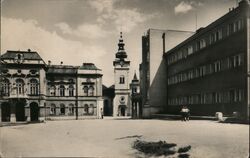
(88, 66)
(203, 30)
(62, 69)
(27, 55)
(135, 78)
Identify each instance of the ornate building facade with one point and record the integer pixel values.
(31, 90)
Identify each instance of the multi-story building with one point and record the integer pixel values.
(34, 91)
(209, 71)
(153, 67)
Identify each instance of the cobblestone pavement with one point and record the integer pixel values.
(114, 138)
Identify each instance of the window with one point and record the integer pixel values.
(190, 50)
(122, 80)
(86, 109)
(85, 90)
(53, 109)
(20, 86)
(33, 87)
(91, 109)
(6, 87)
(62, 90)
(217, 66)
(202, 43)
(71, 90)
(91, 91)
(71, 109)
(52, 90)
(62, 109)
(134, 90)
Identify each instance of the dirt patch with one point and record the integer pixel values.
(161, 148)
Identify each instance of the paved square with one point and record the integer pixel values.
(106, 138)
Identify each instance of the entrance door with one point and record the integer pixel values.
(123, 109)
(34, 112)
(106, 108)
(20, 111)
(5, 108)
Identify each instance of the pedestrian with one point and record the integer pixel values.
(101, 113)
(183, 113)
(187, 113)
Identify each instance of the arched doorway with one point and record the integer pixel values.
(20, 111)
(5, 108)
(122, 110)
(34, 111)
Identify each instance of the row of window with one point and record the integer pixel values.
(231, 96)
(217, 66)
(61, 90)
(88, 90)
(19, 87)
(213, 37)
(62, 110)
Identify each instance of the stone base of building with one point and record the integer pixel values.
(148, 111)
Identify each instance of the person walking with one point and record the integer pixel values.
(185, 112)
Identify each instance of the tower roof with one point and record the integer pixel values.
(135, 79)
(121, 54)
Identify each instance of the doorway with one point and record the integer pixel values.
(5, 111)
(34, 111)
(20, 111)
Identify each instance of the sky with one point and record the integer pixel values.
(78, 31)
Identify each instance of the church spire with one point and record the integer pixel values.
(135, 78)
(121, 54)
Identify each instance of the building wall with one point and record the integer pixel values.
(248, 63)
(121, 90)
(153, 68)
(211, 77)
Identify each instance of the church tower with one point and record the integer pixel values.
(121, 73)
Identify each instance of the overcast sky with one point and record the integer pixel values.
(77, 31)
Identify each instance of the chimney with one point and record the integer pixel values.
(163, 42)
(61, 62)
(49, 62)
(29, 50)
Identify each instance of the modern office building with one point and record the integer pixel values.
(153, 68)
(209, 71)
(31, 90)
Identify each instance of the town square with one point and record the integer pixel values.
(125, 78)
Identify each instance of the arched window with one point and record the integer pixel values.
(62, 90)
(5, 87)
(33, 87)
(20, 86)
(71, 90)
(91, 91)
(52, 90)
(122, 79)
(71, 109)
(91, 109)
(86, 109)
(52, 109)
(62, 109)
(85, 90)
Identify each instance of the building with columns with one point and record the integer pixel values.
(31, 90)
(121, 103)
